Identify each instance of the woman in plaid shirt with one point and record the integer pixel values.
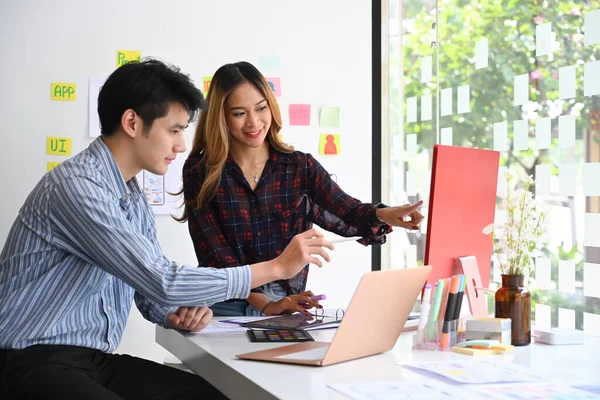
(247, 193)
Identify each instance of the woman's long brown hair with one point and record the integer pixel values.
(212, 135)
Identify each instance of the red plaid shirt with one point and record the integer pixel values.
(244, 226)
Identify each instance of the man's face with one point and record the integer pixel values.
(159, 146)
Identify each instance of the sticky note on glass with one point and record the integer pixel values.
(592, 27)
(411, 145)
(58, 146)
(206, 84)
(329, 144)
(566, 317)
(426, 107)
(502, 188)
(411, 109)
(275, 85)
(543, 133)
(566, 82)
(500, 136)
(481, 54)
(566, 131)
(543, 273)
(330, 117)
(567, 175)
(50, 165)
(591, 323)
(543, 39)
(426, 69)
(299, 114)
(269, 64)
(543, 316)
(411, 256)
(591, 232)
(591, 280)
(446, 136)
(61, 91)
(543, 175)
(591, 179)
(446, 102)
(464, 99)
(411, 183)
(591, 79)
(125, 56)
(521, 90)
(521, 135)
(566, 276)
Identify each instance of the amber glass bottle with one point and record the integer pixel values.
(513, 301)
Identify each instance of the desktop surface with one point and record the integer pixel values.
(213, 357)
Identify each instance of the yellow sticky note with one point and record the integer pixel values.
(125, 56)
(58, 146)
(51, 165)
(206, 84)
(329, 144)
(330, 117)
(61, 91)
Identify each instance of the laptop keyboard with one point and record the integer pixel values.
(313, 354)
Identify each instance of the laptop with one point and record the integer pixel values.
(371, 325)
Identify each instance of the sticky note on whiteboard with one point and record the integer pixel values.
(61, 91)
(299, 114)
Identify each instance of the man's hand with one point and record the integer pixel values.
(300, 302)
(192, 319)
(405, 216)
(303, 250)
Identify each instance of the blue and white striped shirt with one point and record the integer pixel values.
(83, 244)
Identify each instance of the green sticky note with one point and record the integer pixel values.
(330, 117)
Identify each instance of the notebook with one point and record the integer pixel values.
(371, 325)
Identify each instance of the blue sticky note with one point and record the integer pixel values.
(268, 64)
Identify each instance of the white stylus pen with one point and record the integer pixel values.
(345, 239)
(425, 304)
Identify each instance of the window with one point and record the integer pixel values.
(518, 77)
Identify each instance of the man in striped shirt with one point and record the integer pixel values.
(84, 246)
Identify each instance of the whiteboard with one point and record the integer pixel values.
(324, 50)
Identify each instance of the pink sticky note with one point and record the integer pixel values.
(275, 85)
(299, 114)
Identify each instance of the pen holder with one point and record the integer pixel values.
(450, 333)
(426, 338)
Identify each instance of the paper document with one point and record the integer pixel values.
(423, 389)
(479, 371)
(528, 391)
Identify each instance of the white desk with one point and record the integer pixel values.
(213, 357)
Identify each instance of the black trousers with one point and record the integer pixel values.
(69, 372)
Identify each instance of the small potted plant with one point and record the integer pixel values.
(516, 242)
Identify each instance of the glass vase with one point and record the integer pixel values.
(513, 301)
